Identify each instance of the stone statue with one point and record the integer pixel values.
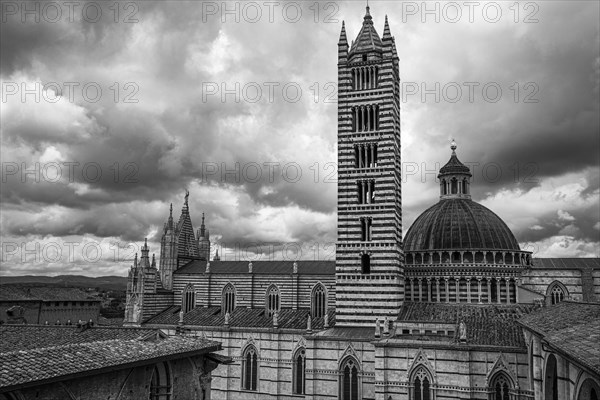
(386, 327)
(309, 324)
(208, 267)
(462, 331)
(377, 328)
(295, 271)
(326, 321)
(250, 267)
(275, 319)
(227, 318)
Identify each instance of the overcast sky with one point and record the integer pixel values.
(189, 89)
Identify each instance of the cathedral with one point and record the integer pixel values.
(454, 310)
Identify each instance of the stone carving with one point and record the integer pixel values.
(386, 327)
(227, 318)
(462, 331)
(377, 328)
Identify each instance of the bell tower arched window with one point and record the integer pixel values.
(272, 300)
(250, 369)
(299, 368)
(365, 263)
(188, 298)
(319, 301)
(349, 380)
(228, 300)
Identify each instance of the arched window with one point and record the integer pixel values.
(453, 186)
(272, 300)
(501, 385)
(556, 292)
(465, 187)
(299, 368)
(188, 298)
(228, 301)
(365, 263)
(319, 301)
(421, 384)
(349, 380)
(160, 383)
(589, 390)
(250, 369)
(551, 379)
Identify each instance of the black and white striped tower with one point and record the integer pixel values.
(369, 259)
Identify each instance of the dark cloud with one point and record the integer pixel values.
(175, 131)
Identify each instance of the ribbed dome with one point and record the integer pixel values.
(454, 224)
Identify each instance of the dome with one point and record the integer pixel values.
(459, 223)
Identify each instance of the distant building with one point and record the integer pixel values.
(83, 362)
(47, 305)
(431, 316)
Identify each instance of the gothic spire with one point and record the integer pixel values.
(343, 38)
(387, 34)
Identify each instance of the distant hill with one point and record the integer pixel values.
(102, 282)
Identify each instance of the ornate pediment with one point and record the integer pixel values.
(421, 360)
(502, 365)
(349, 352)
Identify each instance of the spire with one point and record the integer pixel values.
(153, 261)
(387, 34)
(217, 258)
(368, 39)
(202, 227)
(135, 261)
(343, 38)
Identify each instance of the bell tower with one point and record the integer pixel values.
(369, 258)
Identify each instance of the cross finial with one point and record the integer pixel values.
(453, 146)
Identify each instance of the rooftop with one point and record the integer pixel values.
(487, 324)
(260, 267)
(240, 317)
(459, 224)
(571, 328)
(566, 263)
(33, 355)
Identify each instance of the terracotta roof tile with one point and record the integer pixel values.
(241, 317)
(490, 325)
(260, 267)
(572, 328)
(93, 349)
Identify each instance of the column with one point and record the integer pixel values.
(517, 290)
(457, 288)
(412, 289)
(420, 288)
(360, 156)
(489, 288)
(373, 155)
(429, 290)
(368, 111)
(498, 280)
(507, 290)
(468, 287)
(437, 290)
(447, 289)
(478, 289)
